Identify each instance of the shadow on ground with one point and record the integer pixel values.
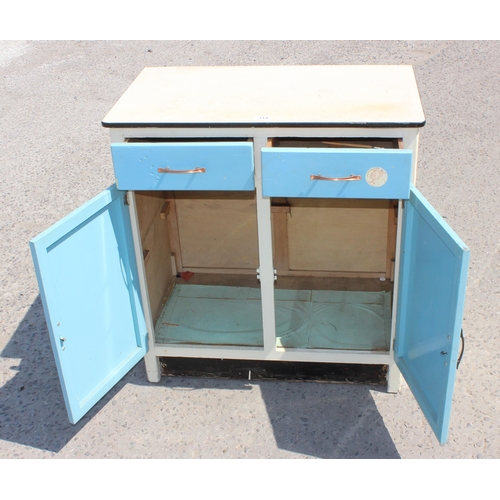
(318, 419)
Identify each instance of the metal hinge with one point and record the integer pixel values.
(125, 199)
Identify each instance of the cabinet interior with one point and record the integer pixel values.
(211, 236)
(333, 257)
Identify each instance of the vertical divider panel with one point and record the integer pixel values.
(266, 269)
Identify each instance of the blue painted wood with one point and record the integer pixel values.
(286, 172)
(229, 166)
(433, 275)
(87, 275)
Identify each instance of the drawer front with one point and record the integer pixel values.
(336, 173)
(218, 166)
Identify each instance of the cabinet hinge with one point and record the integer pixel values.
(125, 199)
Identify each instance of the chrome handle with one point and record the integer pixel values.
(197, 170)
(319, 177)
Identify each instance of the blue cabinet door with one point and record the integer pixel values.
(87, 275)
(433, 274)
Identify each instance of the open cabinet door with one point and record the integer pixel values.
(87, 275)
(433, 275)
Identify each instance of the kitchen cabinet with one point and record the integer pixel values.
(265, 213)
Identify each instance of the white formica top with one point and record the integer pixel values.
(270, 95)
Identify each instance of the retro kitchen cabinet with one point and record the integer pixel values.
(265, 213)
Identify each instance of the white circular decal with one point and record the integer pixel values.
(376, 177)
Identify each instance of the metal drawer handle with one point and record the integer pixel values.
(197, 170)
(336, 179)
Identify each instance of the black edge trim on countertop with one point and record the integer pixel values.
(262, 125)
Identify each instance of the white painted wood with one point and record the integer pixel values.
(256, 95)
(394, 377)
(410, 141)
(277, 354)
(393, 373)
(153, 368)
(122, 134)
(117, 135)
(266, 270)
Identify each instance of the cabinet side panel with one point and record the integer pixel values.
(152, 209)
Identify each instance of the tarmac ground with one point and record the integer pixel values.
(54, 156)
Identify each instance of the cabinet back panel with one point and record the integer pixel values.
(346, 237)
(218, 231)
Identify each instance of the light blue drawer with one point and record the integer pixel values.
(218, 166)
(336, 173)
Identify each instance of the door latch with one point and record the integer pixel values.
(462, 338)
